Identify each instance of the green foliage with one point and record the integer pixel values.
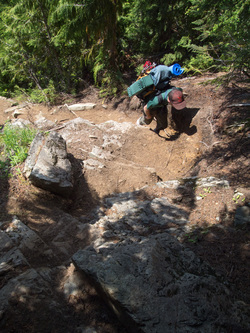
(149, 24)
(223, 29)
(45, 95)
(107, 78)
(200, 62)
(15, 142)
(111, 84)
(53, 46)
(28, 54)
(56, 41)
(171, 58)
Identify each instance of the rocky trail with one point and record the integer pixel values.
(137, 198)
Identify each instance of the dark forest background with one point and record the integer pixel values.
(49, 47)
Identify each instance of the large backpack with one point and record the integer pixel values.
(153, 81)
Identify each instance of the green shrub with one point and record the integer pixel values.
(200, 63)
(15, 142)
(44, 95)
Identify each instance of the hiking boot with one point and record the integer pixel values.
(143, 121)
(158, 129)
(171, 132)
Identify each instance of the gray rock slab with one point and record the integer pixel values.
(14, 108)
(24, 237)
(44, 124)
(20, 123)
(5, 242)
(127, 213)
(156, 285)
(47, 165)
(12, 261)
(81, 106)
(194, 181)
(23, 287)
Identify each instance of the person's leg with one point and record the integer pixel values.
(161, 119)
(145, 119)
(171, 121)
(148, 111)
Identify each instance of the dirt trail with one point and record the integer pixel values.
(170, 158)
(191, 154)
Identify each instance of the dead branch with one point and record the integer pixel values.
(56, 128)
(71, 110)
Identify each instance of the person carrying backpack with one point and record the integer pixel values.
(164, 108)
(162, 101)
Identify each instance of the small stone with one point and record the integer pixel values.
(17, 113)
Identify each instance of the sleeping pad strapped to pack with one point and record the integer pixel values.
(157, 79)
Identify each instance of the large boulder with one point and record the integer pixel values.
(47, 165)
(156, 285)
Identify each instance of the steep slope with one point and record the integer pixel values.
(111, 154)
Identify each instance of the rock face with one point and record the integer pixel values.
(47, 165)
(30, 291)
(155, 285)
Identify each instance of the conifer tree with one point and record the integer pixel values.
(223, 32)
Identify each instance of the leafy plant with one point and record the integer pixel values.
(238, 197)
(15, 142)
(206, 190)
(193, 239)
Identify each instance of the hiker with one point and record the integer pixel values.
(160, 98)
(164, 107)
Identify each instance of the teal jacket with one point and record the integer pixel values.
(161, 99)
